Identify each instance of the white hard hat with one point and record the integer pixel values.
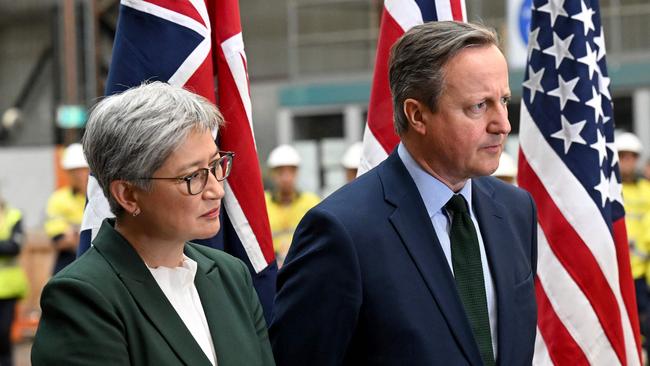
(352, 156)
(73, 157)
(507, 167)
(283, 155)
(628, 141)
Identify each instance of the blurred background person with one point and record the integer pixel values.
(142, 294)
(351, 159)
(286, 205)
(507, 170)
(13, 282)
(65, 207)
(636, 200)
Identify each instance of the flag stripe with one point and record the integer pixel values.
(541, 356)
(398, 17)
(583, 326)
(561, 346)
(567, 210)
(627, 287)
(245, 180)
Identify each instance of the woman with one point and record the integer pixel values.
(143, 295)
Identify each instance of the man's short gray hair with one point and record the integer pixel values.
(417, 62)
(131, 134)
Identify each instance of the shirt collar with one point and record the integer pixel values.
(435, 194)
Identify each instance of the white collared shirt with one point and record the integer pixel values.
(435, 195)
(178, 286)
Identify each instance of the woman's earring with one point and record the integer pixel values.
(136, 212)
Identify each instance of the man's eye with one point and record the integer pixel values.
(478, 107)
(505, 100)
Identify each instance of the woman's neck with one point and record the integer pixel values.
(154, 251)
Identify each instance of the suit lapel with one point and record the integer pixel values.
(145, 291)
(412, 223)
(490, 215)
(218, 312)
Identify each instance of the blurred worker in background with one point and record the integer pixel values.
(285, 204)
(65, 207)
(636, 200)
(351, 159)
(13, 282)
(507, 170)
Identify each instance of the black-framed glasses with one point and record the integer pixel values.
(197, 180)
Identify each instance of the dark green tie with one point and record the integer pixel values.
(468, 272)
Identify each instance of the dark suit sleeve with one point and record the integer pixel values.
(78, 327)
(319, 294)
(258, 316)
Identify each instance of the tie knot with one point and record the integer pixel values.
(457, 204)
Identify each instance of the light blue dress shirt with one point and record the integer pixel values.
(435, 195)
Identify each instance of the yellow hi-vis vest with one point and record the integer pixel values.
(13, 282)
(636, 200)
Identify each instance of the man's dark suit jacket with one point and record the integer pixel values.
(107, 309)
(366, 281)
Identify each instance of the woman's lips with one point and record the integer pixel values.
(212, 214)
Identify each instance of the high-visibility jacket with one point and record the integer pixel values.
(65, 210)
(284, 219)
(636, 200)
(13, 282)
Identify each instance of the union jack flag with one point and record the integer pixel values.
(183, 43)
(567, 161)
(379, 138)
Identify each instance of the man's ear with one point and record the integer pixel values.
(125, 194)
(415, 112)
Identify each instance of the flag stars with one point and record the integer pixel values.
(564, 91)
(612, 147)
(585, 16)
(615, 189)
(599, 41)
(603, 85)
(596, 102)
(590, 60)
(570, 133)
(600, 146)
(560, 49)
(554, 8)
(534, 82)
(603, 188)
(533, 44)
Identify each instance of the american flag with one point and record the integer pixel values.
(379, 138)
(585, 295)
(185, 43)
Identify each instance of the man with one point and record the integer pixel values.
(13, 281)
(285, 204)
(636, 199)
(387, 272)
(65, 207)
(350, 161)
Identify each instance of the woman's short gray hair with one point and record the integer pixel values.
(131, 134)
(417, 62)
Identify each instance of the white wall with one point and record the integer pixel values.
(27, 180)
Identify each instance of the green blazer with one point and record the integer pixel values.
(107, 309)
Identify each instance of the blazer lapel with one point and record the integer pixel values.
(490, 215)
(411, 221)
(218, 312)
(145, 291)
